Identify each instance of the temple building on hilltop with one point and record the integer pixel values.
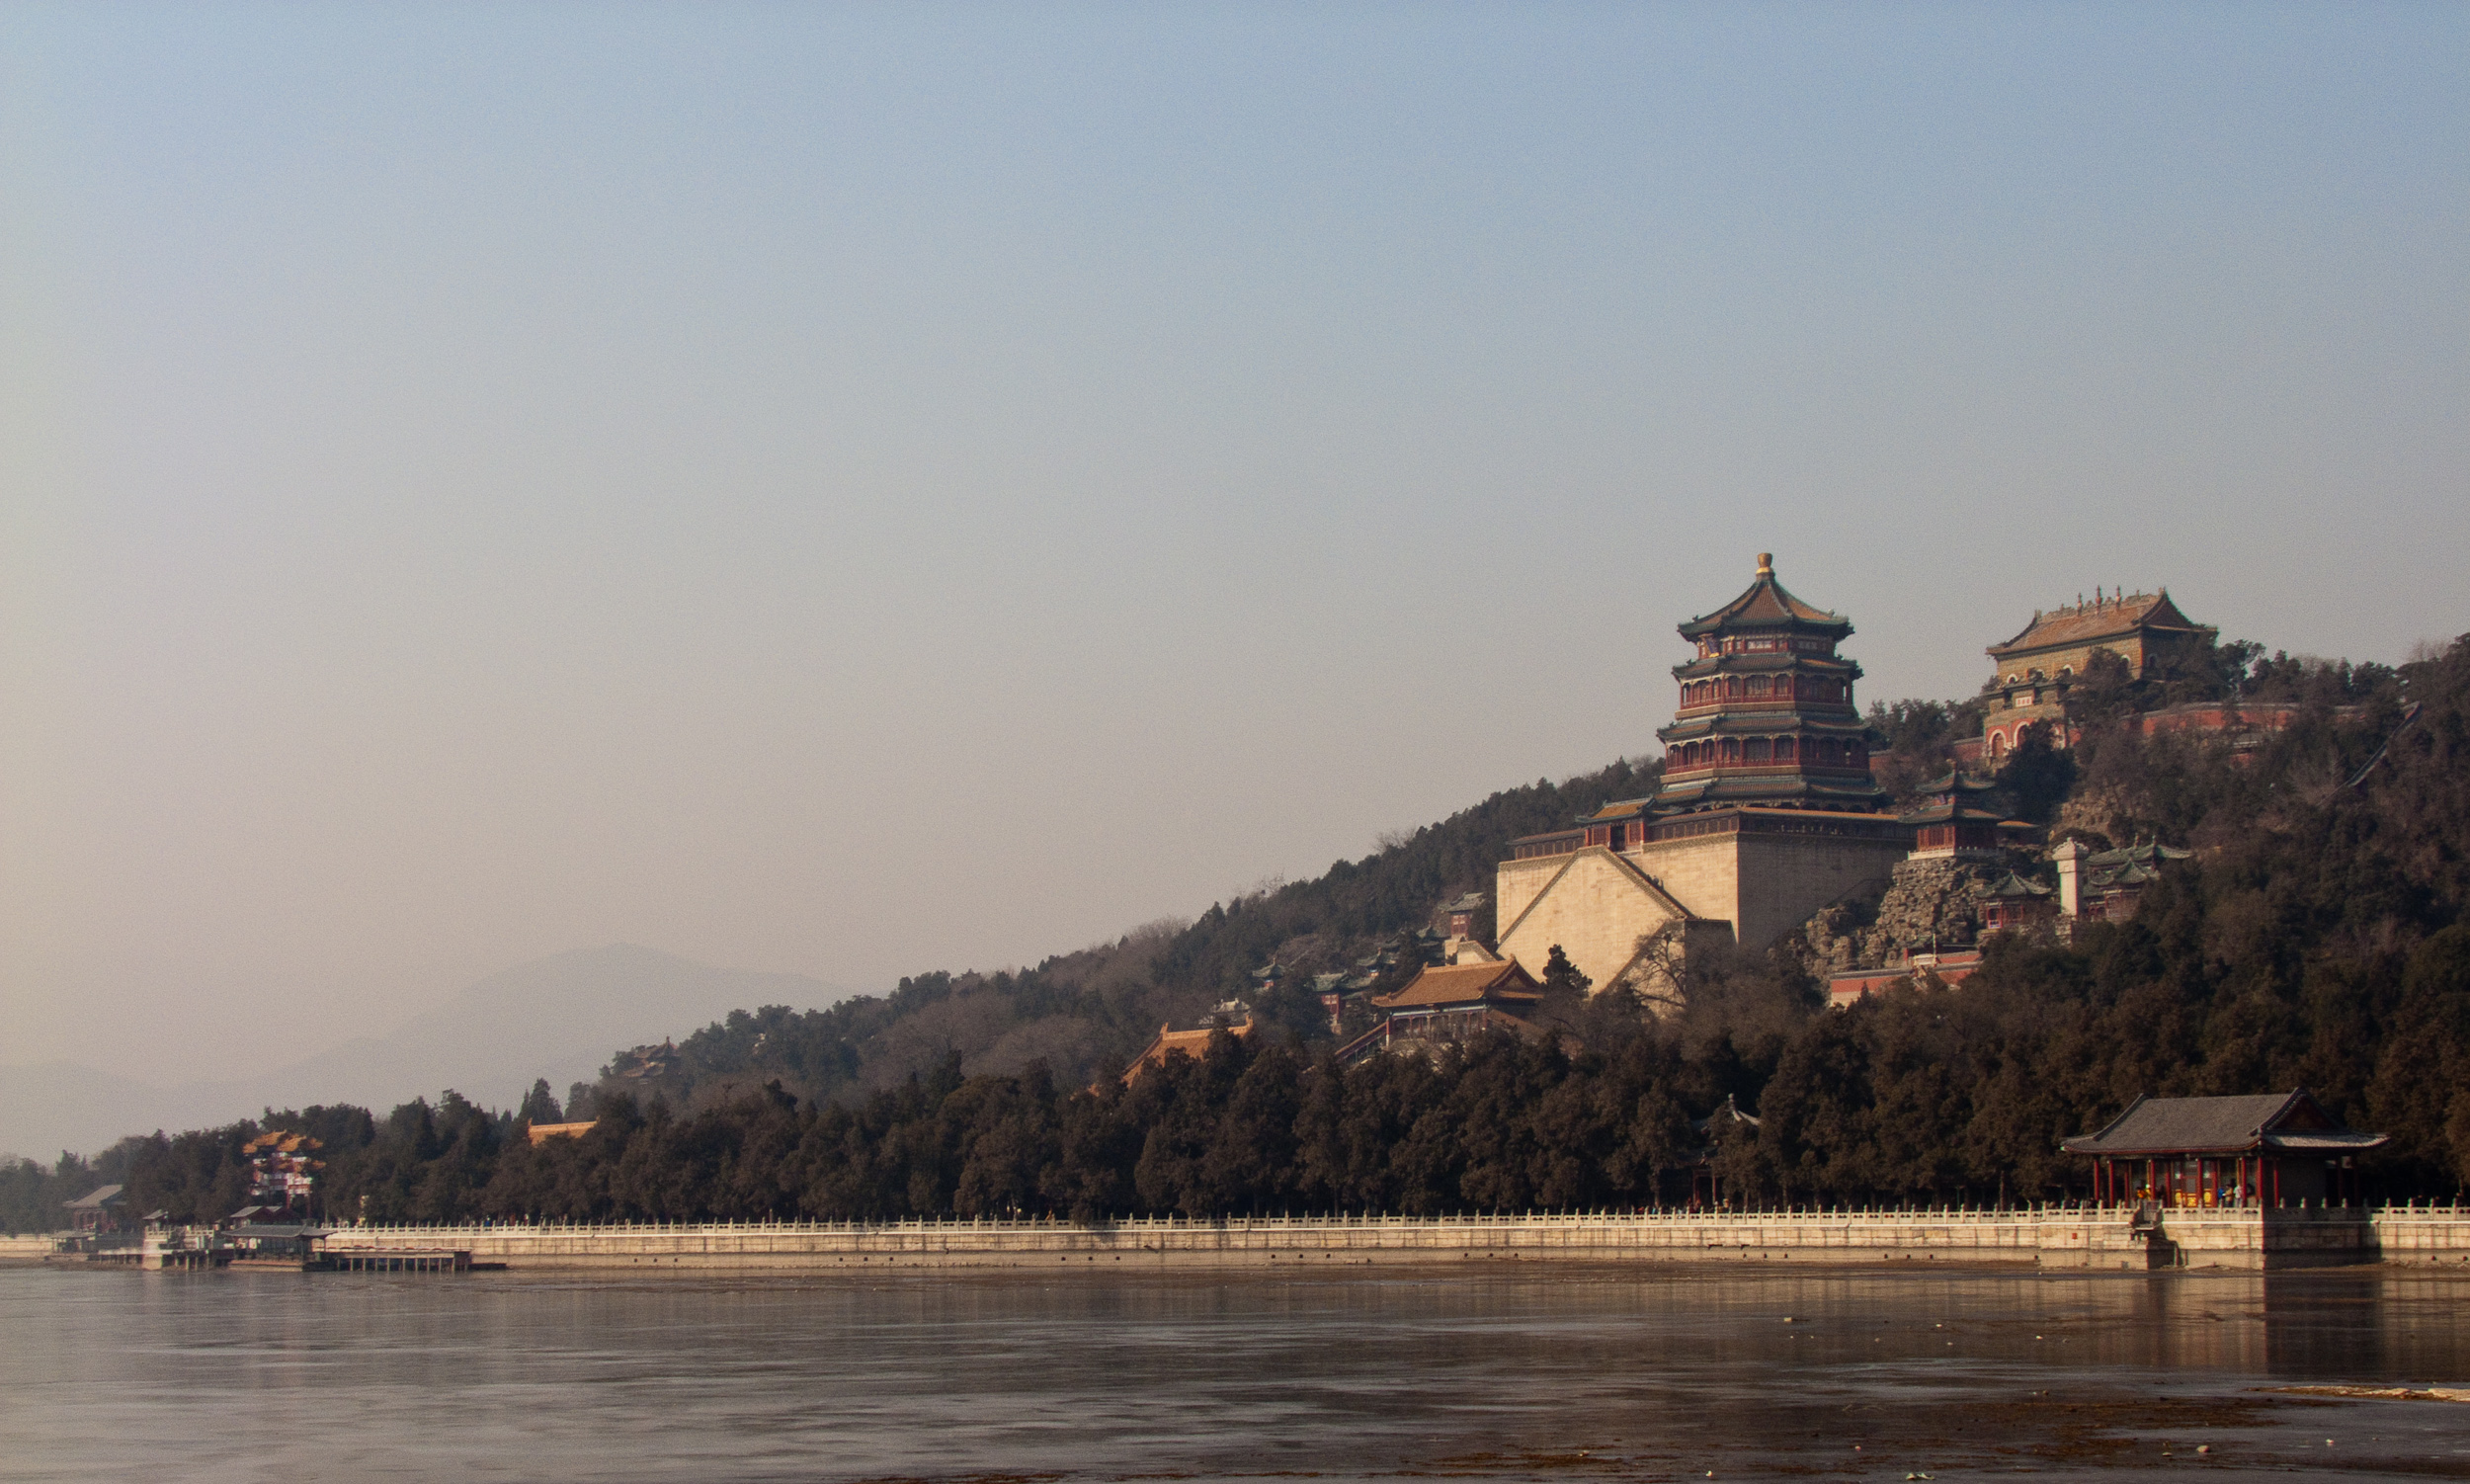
(1767, 813)
(2037, 667)
(1766, 715)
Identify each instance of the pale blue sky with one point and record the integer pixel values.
(869, 489)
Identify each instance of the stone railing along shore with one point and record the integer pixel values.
(2054, 1237)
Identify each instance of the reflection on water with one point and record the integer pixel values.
(1532, 1372)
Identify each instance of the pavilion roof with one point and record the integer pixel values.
(1766, 604)
(2147, 853)
(1504, 982)
(2269, 1123)
(1950, 814)
(2014, 886)
(1956, 782)
(1727, 1112)
(1192, 1043)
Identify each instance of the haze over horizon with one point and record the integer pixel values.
(848, 494)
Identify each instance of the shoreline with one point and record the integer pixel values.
(2056, 1239)
(2049, 1239)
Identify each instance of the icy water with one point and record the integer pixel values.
(1537, 1372)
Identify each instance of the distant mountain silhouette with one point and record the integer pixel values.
(558, 1018)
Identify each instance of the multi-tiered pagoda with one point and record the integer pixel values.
(1767, 812)
(1766, 715)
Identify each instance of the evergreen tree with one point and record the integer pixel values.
(1562, 978)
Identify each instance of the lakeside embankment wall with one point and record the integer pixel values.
(2057, 1238)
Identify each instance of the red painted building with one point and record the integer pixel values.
(1944, 970)
(2276, 1149)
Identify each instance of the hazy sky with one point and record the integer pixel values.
(866, 489)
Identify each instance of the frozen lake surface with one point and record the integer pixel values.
(1540, 1371)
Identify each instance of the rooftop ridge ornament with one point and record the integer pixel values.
(1767, 564)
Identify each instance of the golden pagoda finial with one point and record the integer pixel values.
(1767, 564)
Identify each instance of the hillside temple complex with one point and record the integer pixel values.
(1768, 822)
(1767, 811)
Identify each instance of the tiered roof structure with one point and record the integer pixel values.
(1948, 825)
(1766, 714)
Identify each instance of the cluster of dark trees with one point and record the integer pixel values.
(2316, 939)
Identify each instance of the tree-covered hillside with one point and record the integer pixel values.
(2314, 938)
(1084, 1015)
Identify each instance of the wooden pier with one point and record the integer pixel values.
(401, 1260)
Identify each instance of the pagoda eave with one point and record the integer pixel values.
(1785, 723)
(1706, 665)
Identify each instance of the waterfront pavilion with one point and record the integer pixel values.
(2272, 1149)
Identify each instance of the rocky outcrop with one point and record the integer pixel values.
(1927, 904)
(1830, 940)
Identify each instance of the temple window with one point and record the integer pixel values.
(1756, 750)
(1758, 684)
(1785, 750)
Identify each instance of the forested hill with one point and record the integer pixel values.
(1085, 1014)
(2314, 938)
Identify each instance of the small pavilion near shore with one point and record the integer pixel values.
(2269, 1150)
